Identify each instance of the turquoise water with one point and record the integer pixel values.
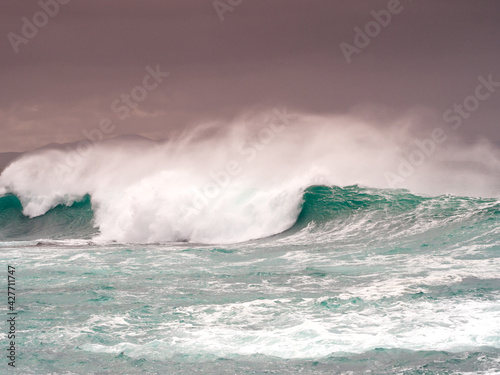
(366, 281)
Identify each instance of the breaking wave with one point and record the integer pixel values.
(234, 184)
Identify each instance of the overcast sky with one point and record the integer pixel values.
(250, 56)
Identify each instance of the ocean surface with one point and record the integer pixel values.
(353, 280)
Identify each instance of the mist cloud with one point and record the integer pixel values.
(260, 56)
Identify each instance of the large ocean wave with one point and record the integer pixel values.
(239, 183)
(322, 214)
(222, 250)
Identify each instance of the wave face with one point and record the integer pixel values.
(61, 222)
(353, 215)
(226, 184)
(319, 214)
(363, 280)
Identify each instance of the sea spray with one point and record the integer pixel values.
(153, 191)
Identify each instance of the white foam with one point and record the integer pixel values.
(286, 329)
(182, 189)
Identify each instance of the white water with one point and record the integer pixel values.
(215, 185)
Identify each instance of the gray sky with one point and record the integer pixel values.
(261, 55)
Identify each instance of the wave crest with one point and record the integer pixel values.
(219, 185)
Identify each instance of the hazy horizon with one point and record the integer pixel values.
(248, 58)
